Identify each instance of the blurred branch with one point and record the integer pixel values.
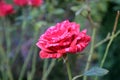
(103, 41)
(5, 52)
(91, 53)
(112, 37)
(25, 64)
(116, 22)
(78, 76)
(110, 42)
(45, 75)
(93, 25)
(24, 24)
(5, 61)
(45, 65)
(31, 76)
(28, 58)
(66, 60)
(108, 37)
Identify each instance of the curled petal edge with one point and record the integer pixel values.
(44, 54)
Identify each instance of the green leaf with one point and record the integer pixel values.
(58, 11)
(96, 71)
(75, 8)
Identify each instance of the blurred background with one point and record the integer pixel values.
(19, 32)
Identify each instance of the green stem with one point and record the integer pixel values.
(105, 54)
(5, 62)
(7, 34)
(112, 37)
(8, 52)
(2, 63)
(68, 70)
(8, 44)
(106, 51)
(26, 61)
(45, 75)
(51, 66)
(110, 42)
(33, 65)
(91, 52)
(45, 65)
(106, 39)
(24, 24)
(78, 76)
(25, 64)
(24, 20)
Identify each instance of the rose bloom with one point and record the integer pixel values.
(5, 9)
(21, 2)
(62, 39)
(34, 3)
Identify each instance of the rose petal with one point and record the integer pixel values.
(84, 31)
(42, 46)
(44, 54)
(6, 9)
(63, 38)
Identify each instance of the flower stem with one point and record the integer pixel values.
(45, 65)
(78, 76)
(91, 52)
(112, 37)
(33, 65)
(25, 64)
(47, 72)
(24, 24)
(68, 70)
(110, 42)
(8, 44)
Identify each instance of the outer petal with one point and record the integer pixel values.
(84, 31)
(42, 46)
(5, 8)
(20, 2)
(44, 54)
(35, 3)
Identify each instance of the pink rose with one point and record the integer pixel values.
(5, 9)
(61, 39)
(34, 3)
(21, 2)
